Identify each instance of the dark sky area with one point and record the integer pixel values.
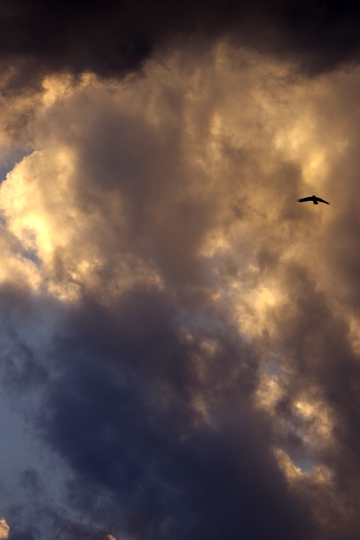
(112, 38)
(180, 339)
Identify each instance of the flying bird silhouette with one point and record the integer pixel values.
(314, 199)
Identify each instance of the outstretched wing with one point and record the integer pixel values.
(322, 200)
(305, 199)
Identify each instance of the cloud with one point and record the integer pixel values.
(185, 332)
(111, 40)
(165, 464)
(4, 529)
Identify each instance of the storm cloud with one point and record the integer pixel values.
(179, 336)
(111, 38)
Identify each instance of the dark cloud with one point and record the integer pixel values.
(69, 530)
(21, 366)
(121, 415)
(112, 38)
(21, 536)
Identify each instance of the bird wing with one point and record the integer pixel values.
(305, 199)
(322, 200)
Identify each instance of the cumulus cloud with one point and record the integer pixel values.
(185, 332)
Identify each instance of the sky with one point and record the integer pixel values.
(180, 338)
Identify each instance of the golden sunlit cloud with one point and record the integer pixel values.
(4, 529)
(185, 181)
(318, 475)
(39, 198)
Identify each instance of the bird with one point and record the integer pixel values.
(314, 199)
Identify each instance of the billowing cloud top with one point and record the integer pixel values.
(180, 337)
